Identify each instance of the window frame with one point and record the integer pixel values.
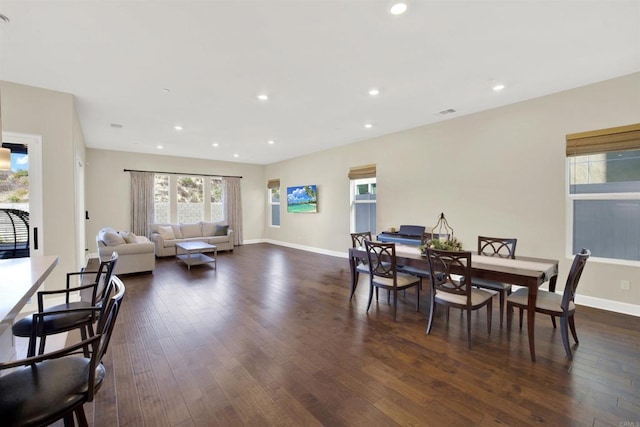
(353, 184)
(173, 197)
(571, 198)
(271, 204)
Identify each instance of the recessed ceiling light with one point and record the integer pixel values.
(178, 127)
(236, 155)
(271, 142)
(116, 125)
(398, 9)
(159, 147)
(166, 90)
(498, 87)
(215, 144)
(263, 97)
(368, 125)
(374, 92)
(4, 18)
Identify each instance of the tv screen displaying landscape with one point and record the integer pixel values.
(302, 199)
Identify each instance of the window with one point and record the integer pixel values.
(161, 201)
(363, 198)
(604, 199)
(182, 198)
(273, 194)
(363, 205)
(217, 211)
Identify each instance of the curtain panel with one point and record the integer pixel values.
(233, 207)
(142, 190)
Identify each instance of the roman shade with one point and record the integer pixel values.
(361, 172)
(273, 183)
(622, 138)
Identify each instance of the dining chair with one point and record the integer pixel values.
(416, 271)
(501, 247)
(451, 286)
(43, 389)
(553, 304)
(357, 241)
(383, 273)
(66, 319)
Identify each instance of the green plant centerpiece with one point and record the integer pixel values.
(444, 245)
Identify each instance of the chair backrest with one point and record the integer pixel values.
(573, 278)
(450, 272)
(357, 239)
(381, 258)
(104, 330)
(499, 246)
(103, 279)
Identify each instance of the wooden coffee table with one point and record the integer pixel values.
(193, 253)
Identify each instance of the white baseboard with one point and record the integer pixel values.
(604, 304)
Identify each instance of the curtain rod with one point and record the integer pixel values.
(180, 173)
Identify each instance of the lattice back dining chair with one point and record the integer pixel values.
(43, 389)
(383, 273)
(98, 288)
(501, 247)
(553, 304)
(451, 286)
(416, 271)
(357, 241)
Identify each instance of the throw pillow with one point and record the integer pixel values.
(166, 232)
(128, 236)
(208, 228)
(191, 230)
(221, 230)
(111, 238)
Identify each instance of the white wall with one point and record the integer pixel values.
(500, 172)
(108, 188)
(51, 114)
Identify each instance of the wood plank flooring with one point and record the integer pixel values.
(270, 338)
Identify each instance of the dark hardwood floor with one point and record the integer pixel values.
(271, 338)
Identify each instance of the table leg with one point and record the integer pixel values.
(188, 260)
(531, 319)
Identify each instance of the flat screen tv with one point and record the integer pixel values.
(302, 199)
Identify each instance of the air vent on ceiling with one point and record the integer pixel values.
(447, 111)
(116, 126)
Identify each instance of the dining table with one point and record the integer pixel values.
(520, 270)
(20, 278)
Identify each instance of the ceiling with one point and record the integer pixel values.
(148, 66)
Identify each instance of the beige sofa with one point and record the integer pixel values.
(135, 253)
(165, 236)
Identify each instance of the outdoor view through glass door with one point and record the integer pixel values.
(15, 236)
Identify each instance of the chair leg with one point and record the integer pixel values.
(489, 315)
(418, 298)
(565, 336)
(356, 276)
(68, 420)
(82, 418)
(521, 310)
(371, 296)
(469, 328)
(553, 321)
(432, 310)
(448, 314)
(572, 326)
(395, 302)
(502, 298)
(509, 320)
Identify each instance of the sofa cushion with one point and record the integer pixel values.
(111, 238)
(191, 230)
(166, 232)
(177, 231)
(208, 228)
(221, 230)
(128, 236)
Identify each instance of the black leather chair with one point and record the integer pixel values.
(54, 386)
(65, 319)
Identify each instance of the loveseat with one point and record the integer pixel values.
(165, 236)
(135, 253)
